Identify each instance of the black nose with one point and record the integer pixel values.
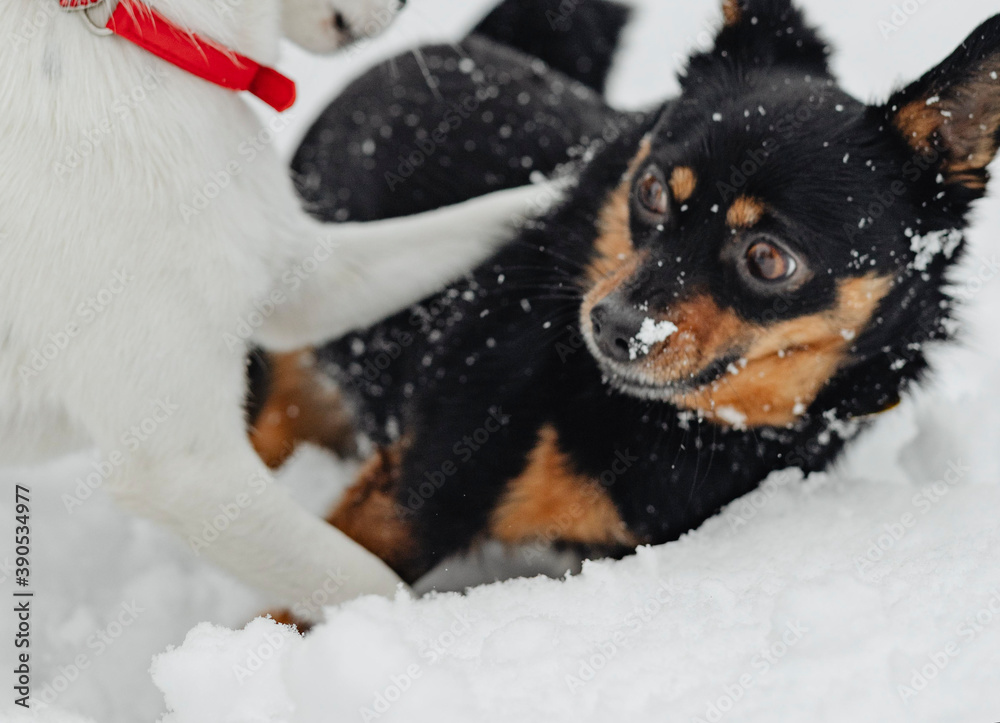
(615, 325)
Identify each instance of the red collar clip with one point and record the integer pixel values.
(144, 26)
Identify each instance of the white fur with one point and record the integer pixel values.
(190, 284)
(311, 23)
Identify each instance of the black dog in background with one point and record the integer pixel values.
(736, 282)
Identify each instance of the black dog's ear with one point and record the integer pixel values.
(952, 114)
(578, 38)
(762, 34)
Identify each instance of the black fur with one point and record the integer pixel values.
(258, 384)
(576, 37)
(405, 146)
(507, 340)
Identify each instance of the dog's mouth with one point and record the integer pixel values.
(635, 383)
(644, 378)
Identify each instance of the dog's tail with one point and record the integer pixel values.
(576, 37)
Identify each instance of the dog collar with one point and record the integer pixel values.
(140, 24)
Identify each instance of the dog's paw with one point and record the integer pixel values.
(322, 26)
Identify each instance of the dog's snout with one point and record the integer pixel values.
(615, 325)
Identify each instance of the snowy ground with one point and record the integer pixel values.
(869, 594)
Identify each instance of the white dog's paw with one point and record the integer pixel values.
(322, 26)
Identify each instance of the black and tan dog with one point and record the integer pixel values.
(736, 283)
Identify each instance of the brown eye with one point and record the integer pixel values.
(766, 261)
(651, 190)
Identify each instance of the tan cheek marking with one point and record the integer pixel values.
(369, 513)
(704, 332)
(614, 238)
(682, 183)
(301, 407)
(731, 12)
(745, 212)
(548, 499)
(789, 363)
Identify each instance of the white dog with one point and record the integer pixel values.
(148, 234)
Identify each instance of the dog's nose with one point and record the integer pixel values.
(615, 325)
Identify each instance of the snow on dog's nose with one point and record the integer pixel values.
(323, 26)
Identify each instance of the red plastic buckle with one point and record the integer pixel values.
(144, 26)
(78, 4)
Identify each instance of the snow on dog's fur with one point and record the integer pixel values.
(149, 234)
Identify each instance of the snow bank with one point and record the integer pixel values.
(868, 594)
(838, 598)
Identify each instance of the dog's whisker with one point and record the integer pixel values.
(426, 71)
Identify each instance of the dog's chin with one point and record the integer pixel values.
(632, 380)
(316, 35)
(641, 389)
(322, 26)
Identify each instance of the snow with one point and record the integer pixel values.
(732, 417)
(866, 594)
(650, 332)
(929, 245)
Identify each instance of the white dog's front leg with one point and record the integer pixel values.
(229, 509)
(169, 420)
(356, 274)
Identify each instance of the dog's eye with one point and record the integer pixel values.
(651, 191)
(769, 263)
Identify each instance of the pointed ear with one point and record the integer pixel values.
(763, 33)
(952, 114)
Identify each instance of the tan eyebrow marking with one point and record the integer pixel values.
(682, 183)
(731, 12)
(745, 212)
